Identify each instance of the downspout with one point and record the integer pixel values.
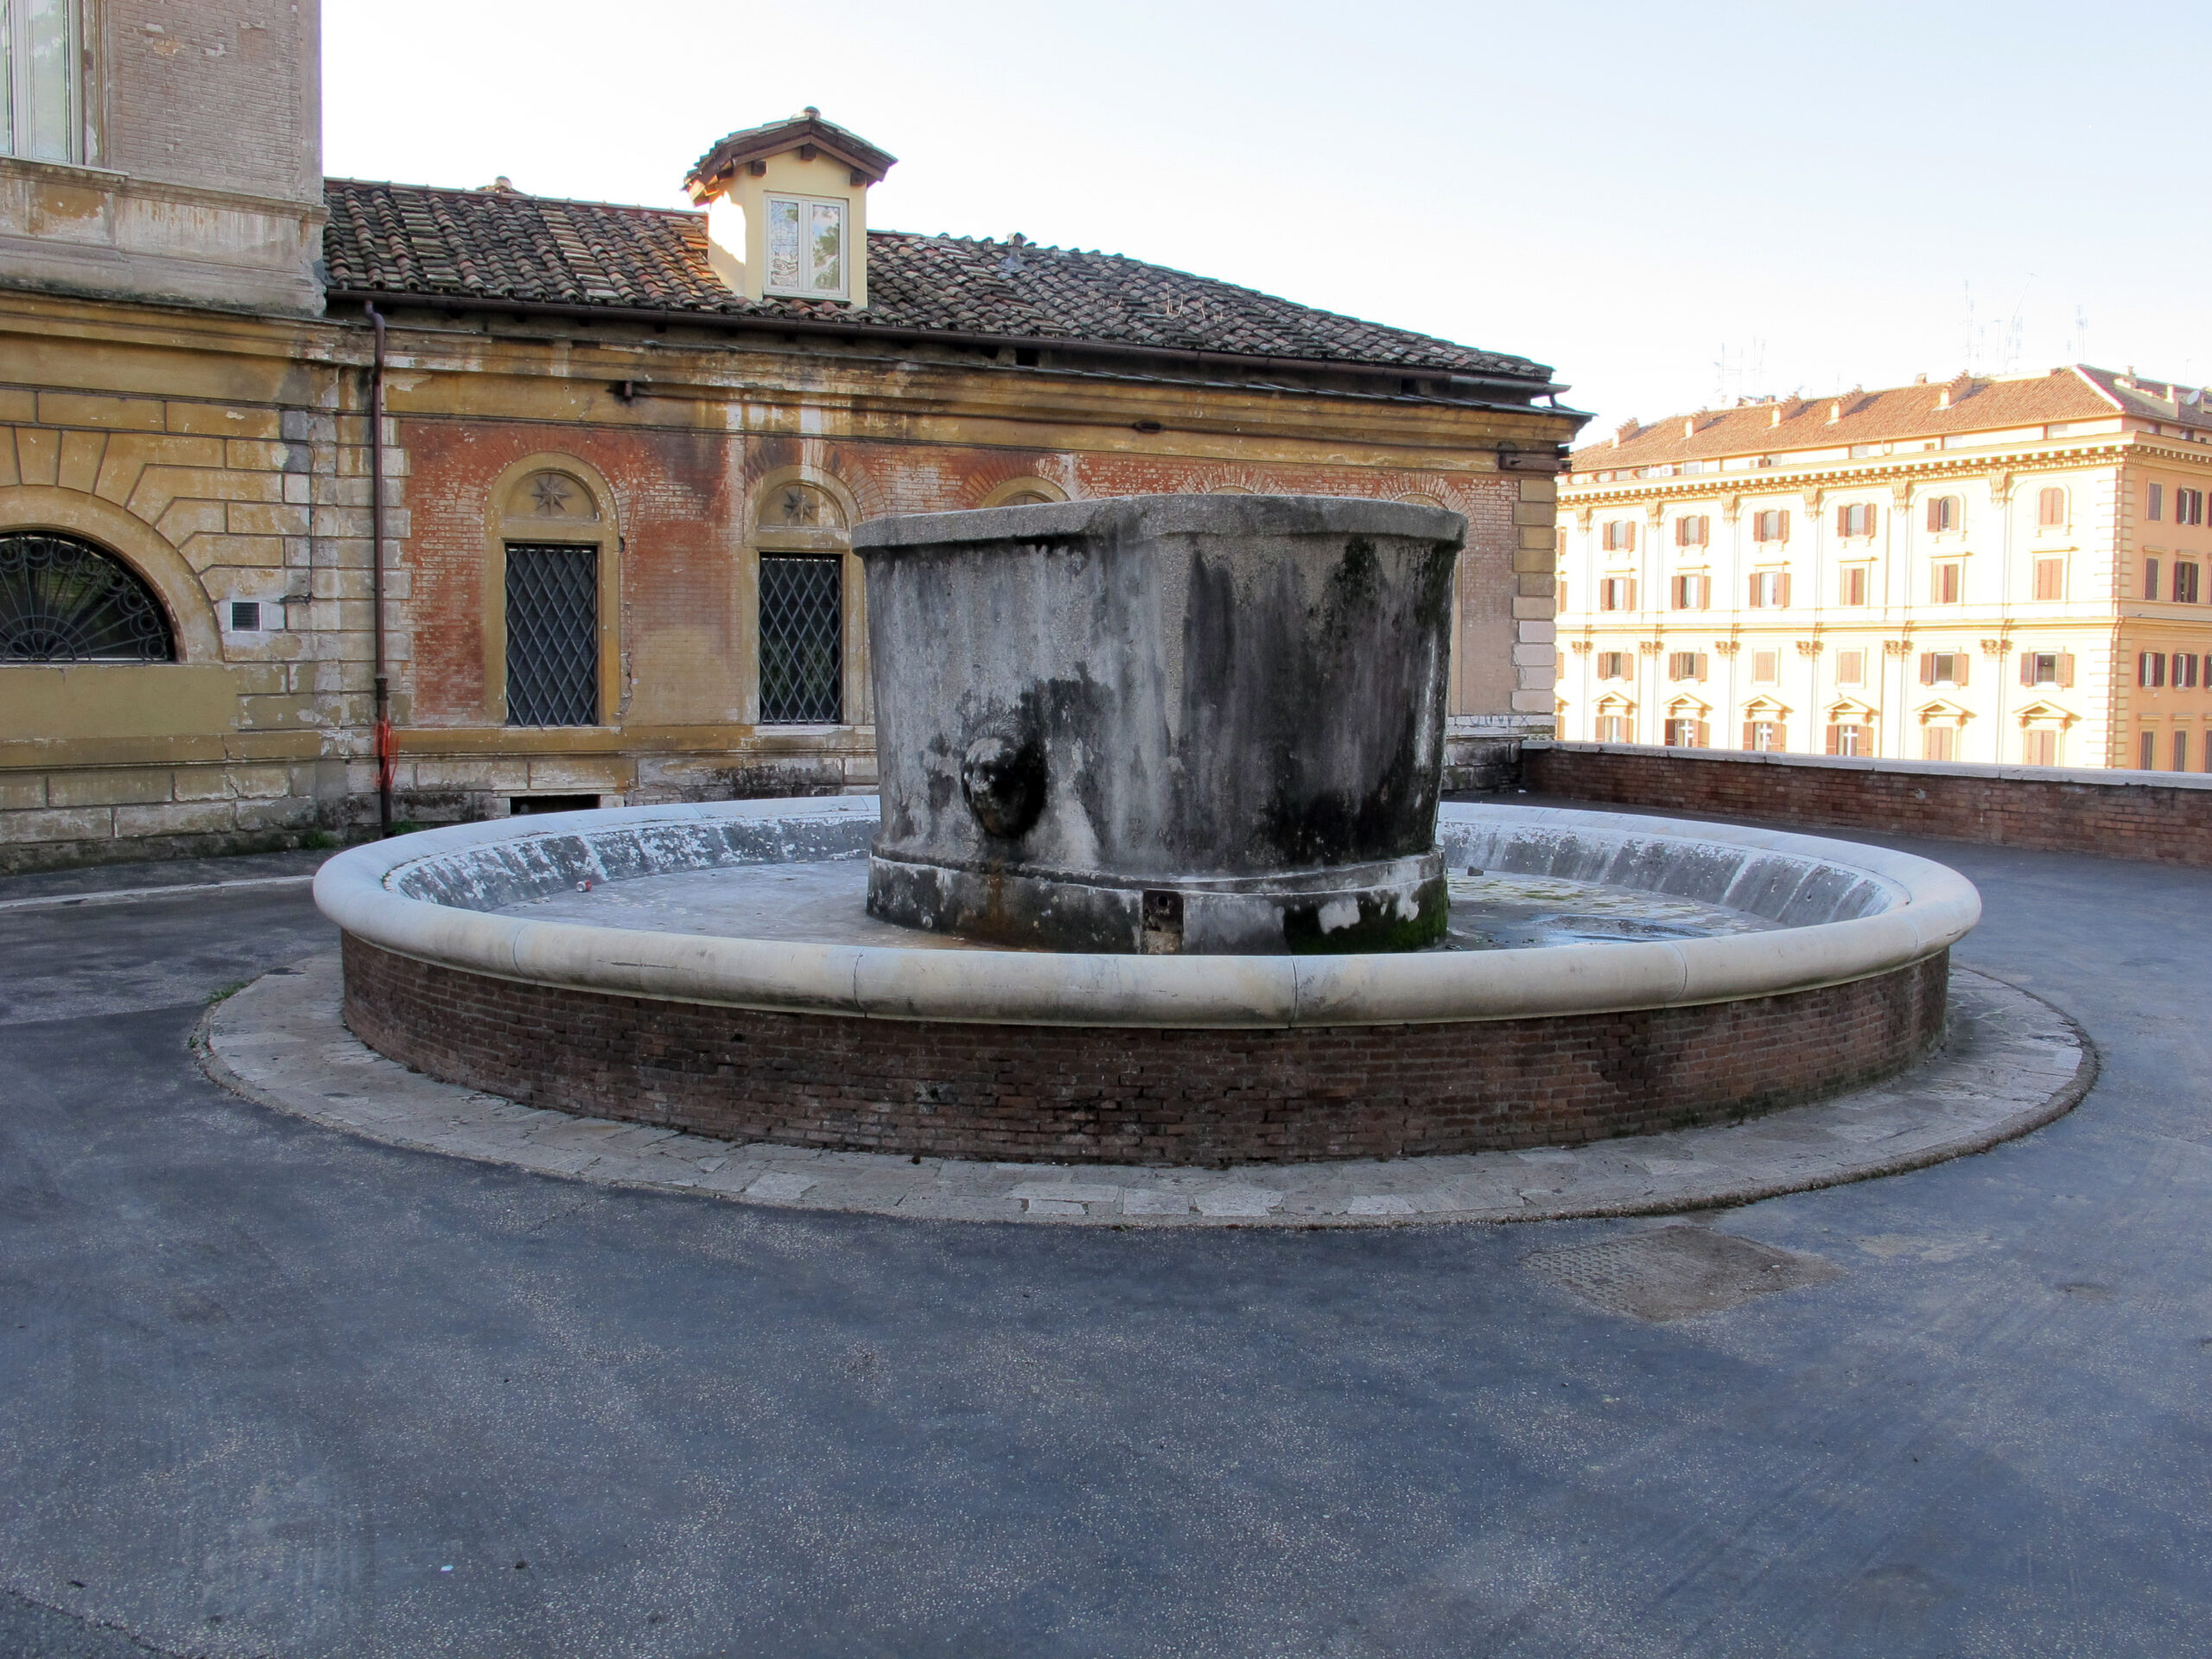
(386, 749)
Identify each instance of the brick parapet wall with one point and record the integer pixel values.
(1088, 1094)
(2156, 817)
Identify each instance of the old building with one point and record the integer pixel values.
(607, 506)
(2001, 570)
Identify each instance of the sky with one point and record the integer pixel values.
(1673, 204)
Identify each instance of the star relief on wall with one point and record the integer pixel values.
(799, 506)
(550, 494)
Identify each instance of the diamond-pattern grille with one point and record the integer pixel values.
(552, 635)
(802, 640)
(64, 600)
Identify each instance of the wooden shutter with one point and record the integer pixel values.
(1842, 528)
(1782, 584)
(2027, 668)
(1785, 536)
(1703, 735)
(1928, 668)
(1960, 662)
(1835, 741)
(1934, 512)
(1751, 734)
(2065, 669)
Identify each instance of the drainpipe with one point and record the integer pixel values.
(385, 749)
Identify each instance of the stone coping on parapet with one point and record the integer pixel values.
(2011, 1062)
(1923, 907)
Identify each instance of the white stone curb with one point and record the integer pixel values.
(1935, 907)
(2012, 1063)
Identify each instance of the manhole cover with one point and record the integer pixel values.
(1673, 1272)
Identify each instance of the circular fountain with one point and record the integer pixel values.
(1158, 875)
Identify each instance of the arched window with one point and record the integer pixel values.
(2050, 507)
(803, 544)
(1943, 513)
(65, 601)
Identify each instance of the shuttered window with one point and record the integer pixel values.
(1766, 667)
(1612, 665)
(1851, 668)
(2047, 668)
(2150, 669)
(1938, 743)
(1770, 590)
(1855, 519)
(1693, 592)
(1946, 582)
(1772, 525)
(2185, 583)
(1692, 530)
(2039, 747)
(2150, 578)
(1617, 594)
(1943, 668)
(1851, 585)
(1687, 735)
(1620, 534)
(1686, 665)
(2050, 508)
(2051, 578)
(1766, 735)
(552, 635)
(2154, 501)
(1848, 738)
(2184, 671)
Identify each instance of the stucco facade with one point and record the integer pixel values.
(614, 395)
(1988, 571)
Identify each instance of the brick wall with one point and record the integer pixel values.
(2157, 817)
(1024, 1093)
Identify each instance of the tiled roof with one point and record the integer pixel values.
(1965, 405)
(412, 241)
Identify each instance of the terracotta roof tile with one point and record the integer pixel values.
(1966, 404)
(412, 241)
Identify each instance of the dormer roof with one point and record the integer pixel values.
(806, 132)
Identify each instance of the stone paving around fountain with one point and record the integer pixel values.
(2012, 1062)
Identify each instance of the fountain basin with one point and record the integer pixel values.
(1031, 1055)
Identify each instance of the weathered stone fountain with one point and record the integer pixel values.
(1159, 875)
(1167, 723)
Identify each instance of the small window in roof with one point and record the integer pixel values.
(806, 248)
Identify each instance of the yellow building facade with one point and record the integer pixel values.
(2007, 571)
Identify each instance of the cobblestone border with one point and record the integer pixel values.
(2011, 1062)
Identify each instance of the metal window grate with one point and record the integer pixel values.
(802, 640)
(64, 600)
(552, 635)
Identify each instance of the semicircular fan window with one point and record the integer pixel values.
(65, 601)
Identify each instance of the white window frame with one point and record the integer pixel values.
(15, 84)
(806, 288)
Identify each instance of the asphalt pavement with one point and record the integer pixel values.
(269, 1389)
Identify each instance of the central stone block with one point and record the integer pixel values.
(1165, 723)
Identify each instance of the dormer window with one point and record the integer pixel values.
(787, 209)
(806, 247)
(39, 46)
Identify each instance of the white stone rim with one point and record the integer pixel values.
(1938, 906)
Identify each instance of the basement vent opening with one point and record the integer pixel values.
(519, 805)
(245, 616)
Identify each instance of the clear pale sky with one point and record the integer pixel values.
(1672, 204)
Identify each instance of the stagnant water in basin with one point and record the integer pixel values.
(825, 902)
